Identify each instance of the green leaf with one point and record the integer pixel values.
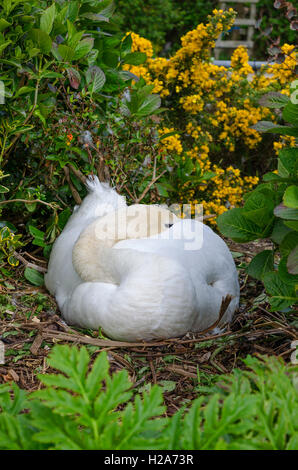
(66, 53)
(83, 48)
(290, 198)
(38, 236)
(290, 113)
(162, 190)
(167, 385)
(31, 207)
(261, 264)
(233, 224)
(280, 230)
(12, 260)
(95, 79)
(285, 275)
(47, 106)
(288, 162)
(269, 177)
(267, 126)
(55, 431)
(3, 189)
(126, 44)
(285, 212)
(292, 263)
(41, 40)
(24, 90)
(135, 58)
(282, 294)
(34, 277)
(95, 17)
(259, 207)
(107, 8)
(47, 19)
(98, 373)
(5, 223)
(149, 106)
(292, 224)
(4, 24)
(63, 218)
(288, 243)
(274, 100)
(72, 10)
(110, 58)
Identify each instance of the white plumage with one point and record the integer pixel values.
(139, 285)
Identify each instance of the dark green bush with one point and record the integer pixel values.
(271, 211)
(77, 409)
(165, 21)
(65, 114)
(273, 22)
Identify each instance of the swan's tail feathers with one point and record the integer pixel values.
(94, 185)
(102, 194)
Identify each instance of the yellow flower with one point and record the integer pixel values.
(171, 143)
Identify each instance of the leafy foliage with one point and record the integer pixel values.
(83, 408)
(164, 21)
(9, 242)
(271, 210)
(70, 109)
(273, 23)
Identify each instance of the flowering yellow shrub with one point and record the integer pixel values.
(212, 109)
(284, 72)
(171, 143)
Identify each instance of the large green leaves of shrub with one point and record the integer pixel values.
(271, 211)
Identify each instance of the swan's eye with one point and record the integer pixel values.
(168, 225)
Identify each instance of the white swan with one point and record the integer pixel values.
(149, 280)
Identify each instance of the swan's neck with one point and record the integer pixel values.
(95, 260)
(92, 258)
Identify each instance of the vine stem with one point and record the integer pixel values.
(149, 186)
(3, 148)
(31, 201)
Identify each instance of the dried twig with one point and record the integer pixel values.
(180, 371)
(74, 192)
(32, 201)
(36, 344)
(77, 173)
(138, 200)
(209, 216)
(34, 258)
(28, 264)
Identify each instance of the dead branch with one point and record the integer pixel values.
(74, 192)
(138, 200)
(77, 173)
(28, 264)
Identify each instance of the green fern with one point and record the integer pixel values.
(86, 408)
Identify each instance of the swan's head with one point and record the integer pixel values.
(136, 221)
(144, 221)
